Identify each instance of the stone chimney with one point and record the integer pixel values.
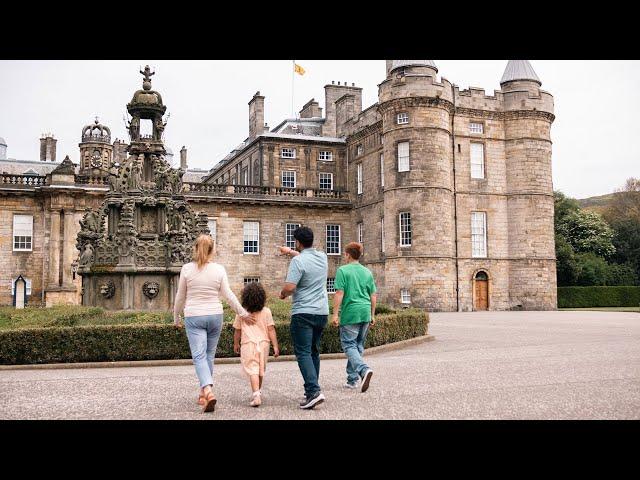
(48, 147)
(332, 93)
(345, 107)
(256, 115)
(311, 110)
(183, 158)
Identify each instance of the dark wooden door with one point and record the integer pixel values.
(482, 295)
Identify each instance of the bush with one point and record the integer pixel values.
(149, 341)
(586, 297)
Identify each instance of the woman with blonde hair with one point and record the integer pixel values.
(202, 283)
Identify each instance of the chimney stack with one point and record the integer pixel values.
(183, 158)
(48, 147)
(256, 116)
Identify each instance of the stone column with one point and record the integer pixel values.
(54, 250)
(68, 249)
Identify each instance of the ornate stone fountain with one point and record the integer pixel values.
(132, 249)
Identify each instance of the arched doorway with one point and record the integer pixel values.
(481, 291)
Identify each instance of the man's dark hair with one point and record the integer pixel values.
(253, 297)
(304, 235)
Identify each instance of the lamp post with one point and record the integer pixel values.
(74, 268)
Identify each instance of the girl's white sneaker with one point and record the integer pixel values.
(256, 401)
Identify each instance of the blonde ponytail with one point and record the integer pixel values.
(203, 250)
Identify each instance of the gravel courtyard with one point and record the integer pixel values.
(482, 365)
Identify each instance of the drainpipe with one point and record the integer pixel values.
(455, 198)
(44, 250)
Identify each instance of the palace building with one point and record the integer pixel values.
(450, 192)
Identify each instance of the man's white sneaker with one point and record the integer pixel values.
(352, 386)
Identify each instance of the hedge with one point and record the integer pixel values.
(586, 297)
(104, 343)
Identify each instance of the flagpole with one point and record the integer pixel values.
(293, 76)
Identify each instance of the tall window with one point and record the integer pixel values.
(475, 127)
(405, 229)
(403, 157)
(288, 153)
(326, 181)
(477, 160)
(326, 156)
(360, 232)
(13, 286)
(289, 228)
(382, 234)
(333, 239)
(405, 296)
(359, 150)
(289, 179)
(478, 234)
(382, 170)
(251, 238)
(359, 178)
(22, 233)
(211, 223)
(331, 285)
(245, 176)
(403, 118)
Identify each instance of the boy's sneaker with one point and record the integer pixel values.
(309, 403)
(366, 379)
(352, 386)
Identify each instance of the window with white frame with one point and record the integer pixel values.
(475, 127)
(288, 152)
(479, 234)
(289, 228)
(477, 160)
(405, 229)
(382, 170)
(245, 176)
(405, 296)
(333, 239)
(251, 237)
(13, 286)
(359, 178)
(213, 226)
(403, 157)
(331, 285)
(403, 118)
(359, 150)
(382, 234)
(289, 179)
(326, 156)
(22, 233)
(326, 181)
(247, 280)
(360, 232)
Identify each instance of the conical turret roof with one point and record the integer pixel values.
(519, 70)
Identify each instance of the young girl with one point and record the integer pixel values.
(251, 341)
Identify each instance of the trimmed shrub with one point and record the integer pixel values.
(586, 297)
(149, 341)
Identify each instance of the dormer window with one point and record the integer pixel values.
(403, 118)
(288, 153)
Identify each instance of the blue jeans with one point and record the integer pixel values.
(203, 333)
(306, 332)
(352, 338)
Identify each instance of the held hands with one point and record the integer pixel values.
(282, 295)
(284, 250)
(249, 318)
(177, 323)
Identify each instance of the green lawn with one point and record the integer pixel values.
(604, 309)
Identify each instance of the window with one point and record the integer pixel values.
(13, 286)
(478, 234)
(403, 156)
(289, 228)
(245, 176)
(405, 296)
(477, 160)
(382, 170)
(382, 234)
(360, 232)
(326, 181)
(359, 150)
(288, 153)
(405, 229)
(22, 232)
(333, 239)
(251, 237)
(475, 127)
(246, 280)
(403, 118)
(211, 223)
(289, 179)
(326, 156)
(359, 178)
(331, 285)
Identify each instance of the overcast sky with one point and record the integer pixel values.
(595, 134)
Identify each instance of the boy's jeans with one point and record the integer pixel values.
(203, 333)
(352, 338)
(306, 332)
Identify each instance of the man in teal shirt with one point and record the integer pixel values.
(355, 300)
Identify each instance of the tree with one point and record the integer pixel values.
(567, 269)
(587, 232)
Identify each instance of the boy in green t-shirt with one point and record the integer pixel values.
(355, 300)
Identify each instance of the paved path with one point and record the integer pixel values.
(493, 365)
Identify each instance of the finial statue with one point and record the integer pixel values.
(146, 83)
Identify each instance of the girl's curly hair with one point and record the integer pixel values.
(253, 297)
